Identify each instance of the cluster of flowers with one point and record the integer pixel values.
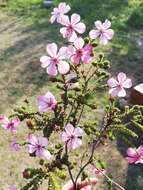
(58, 61)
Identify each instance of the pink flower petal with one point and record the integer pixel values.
(52, 50)
(114, 92)
(112, 83)
(121, 92)
(103, 39)
(98, 24)
(131, 152)
(69, 129)
(65, 20)
(78, 132)
(74, 143)
(45, 60)
(46, 154)
(63, 67)
(52, 70)
(79, 43)
(121, 77)
(93, 34)
(72, 37)
(107, 24)
(75, 18)
(80, 28)
(62, 54)
(127, 83)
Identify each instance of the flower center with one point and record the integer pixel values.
(79, 52)
(54, 61)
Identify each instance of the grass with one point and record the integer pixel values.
(24, 33)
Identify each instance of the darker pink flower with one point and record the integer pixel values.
(117, 87)
(9, 124)
(81, 53)
(59, 12)
(72, 136)
(37, 146)
(135, 155)
(47, 102)
(72, 27)
(14, 145)
(102, 31)
(55, 61)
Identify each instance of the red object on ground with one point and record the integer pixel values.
(137, 95)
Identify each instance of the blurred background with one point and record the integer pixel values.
(24, 32)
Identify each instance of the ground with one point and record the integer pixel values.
(24, 32)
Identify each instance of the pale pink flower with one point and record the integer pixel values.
(117, 87)
(37, 146)
(55, 61)
(14, 145)
(102, 31)
(81, 53)
(12, 188)
(47, 102)
(59, 12)
(84, 185)
(135, 155)
(72, 27)
(71, 136)
(9, 124)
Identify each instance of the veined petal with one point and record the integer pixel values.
(121, 92)
(127, 83)
(63, 67)
(46, 154)
(80, 28)
(121, 77)
(75, 18)
(78, 132)
(131, 152)
(65, 20)
(140, 150)
(93, 34)
(73, 37)
(79, 43)
(52, 50)
(112, 83)
(69, 129)
(62, 54)
(103, 39)
(52, 70)
(45, 60)
(107, 24)
(98, 24)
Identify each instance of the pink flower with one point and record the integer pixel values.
(47, 102)
(84, 185)
(71, 136)
(12, 188)
(135, 155)
(9, 124)
(14, 145)
(37, 146)
(117, 87)
(55, 61)
(59, 12)
(102, 31)
(81, 53)
(71, 27)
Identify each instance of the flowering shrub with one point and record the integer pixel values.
(78, 72)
